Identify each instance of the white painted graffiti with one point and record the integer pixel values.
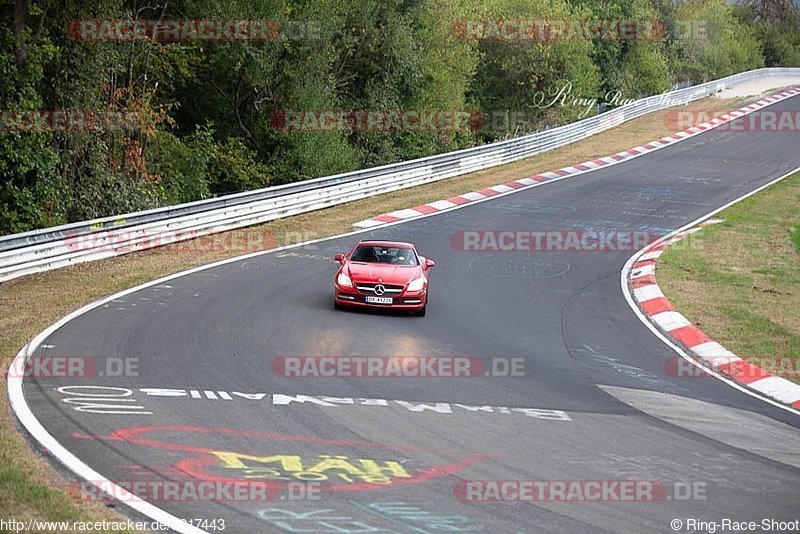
(102, 400)
(322, 520)
(120, 401)
(416, 518)
(403, 516)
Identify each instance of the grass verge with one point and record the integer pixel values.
(30, 488)
(739, 280)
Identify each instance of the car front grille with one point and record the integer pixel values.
(391, 289)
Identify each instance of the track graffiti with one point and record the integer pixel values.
(279, 461)
(106, 400)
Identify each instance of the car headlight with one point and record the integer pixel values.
(344, 280)
(416, 285)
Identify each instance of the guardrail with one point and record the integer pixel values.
(52, 248)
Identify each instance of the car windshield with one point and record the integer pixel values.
(390, 255)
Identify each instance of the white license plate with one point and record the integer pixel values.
(378, 300)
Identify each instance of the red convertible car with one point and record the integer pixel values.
(382, 274)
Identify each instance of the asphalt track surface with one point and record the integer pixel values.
(585, 353)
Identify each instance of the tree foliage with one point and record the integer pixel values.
(199, 117)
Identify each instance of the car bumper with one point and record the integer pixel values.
(406, 301)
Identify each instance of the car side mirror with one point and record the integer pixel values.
(429, 263)
(339, 258)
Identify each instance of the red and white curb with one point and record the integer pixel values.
(586, 166)
(659, 311)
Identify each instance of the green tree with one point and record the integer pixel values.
(722, 47)
(776, 24)
(31, 191)
(521, 77)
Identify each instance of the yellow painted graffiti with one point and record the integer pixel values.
(291, 467)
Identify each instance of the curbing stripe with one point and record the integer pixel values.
(406, 213)
(474, 195)
(441, 204)
(488, 192)
(458, 200)
(648, 292)
(744, 372)
(778, 388)
(503, 188)
(690, 335)
(670, 320)
(715, 353)
(651, 255)
(644, 270)
(425, 209)
(658, 305)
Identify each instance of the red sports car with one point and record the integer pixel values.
(382, 274)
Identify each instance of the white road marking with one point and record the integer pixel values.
(105, 396)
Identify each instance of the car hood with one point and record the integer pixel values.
(388, 274)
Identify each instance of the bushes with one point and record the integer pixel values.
(776, 25)
(196, 166)
(724, 46)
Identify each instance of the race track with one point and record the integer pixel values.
(610, 411)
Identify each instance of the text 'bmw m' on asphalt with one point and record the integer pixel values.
(382, 274)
